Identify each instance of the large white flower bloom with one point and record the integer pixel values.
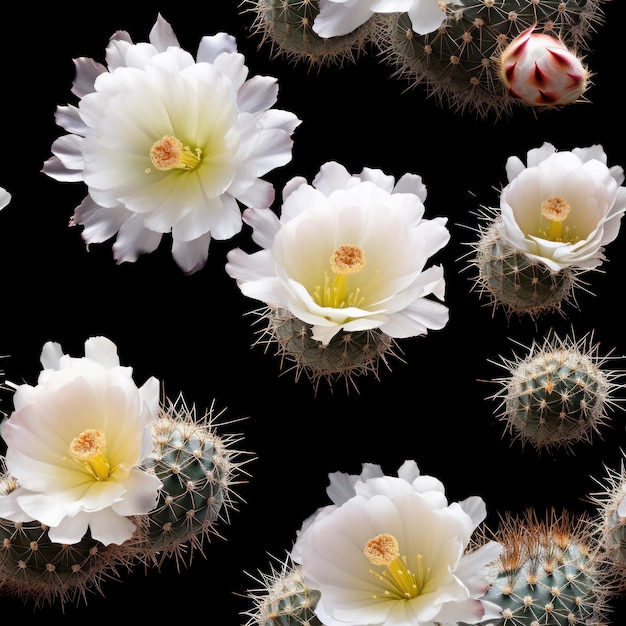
(393, 551)
(562, 208)
(75, 442)
(168, 143)
(348, 253)
(340, 17)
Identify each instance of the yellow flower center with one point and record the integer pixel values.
(344, 260)
(555, 209)
(397, 580)
(89, 450)
(170, 153)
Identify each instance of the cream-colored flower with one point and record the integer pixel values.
(348, 253)
(393, 551)
(563, 208)
(340, 17)
(75, 443)
(166, 143)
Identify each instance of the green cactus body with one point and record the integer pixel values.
(34, 568)
(284, 600)
(287, 26)
(196, 467)
(458, 64)
(557, 395)
(347, 355)
(516, 284)
(547, 575)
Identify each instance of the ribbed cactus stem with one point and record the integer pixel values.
(283, 599)
(514, 283)
(548, 574)
(459, 63)
(198, 468)
(286, 26)
(558, 394)
(348, 355)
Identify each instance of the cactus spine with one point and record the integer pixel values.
(286, 25)
(283, 599)
(459, 63)
(347, 356)
(558, 394)
(548, 573)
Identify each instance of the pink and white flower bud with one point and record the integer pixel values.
(541, 70)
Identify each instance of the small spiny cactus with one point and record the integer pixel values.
(548, 573)
(347, 355)
(286, 25)
(283, 599)
(611, 507)
(198, 469)
(515, 283)
(459, 63)
(558, 394)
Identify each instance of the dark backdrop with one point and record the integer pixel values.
(193, 332)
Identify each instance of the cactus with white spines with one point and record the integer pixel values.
(549, 573)
(283, 599)
(611, 522)
(286, 26)
(558, 394)
(346, 357)
(198, 468)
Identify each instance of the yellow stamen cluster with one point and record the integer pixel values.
(346, 259)
(170, 153)
(89, 450)
(398, 581)
(556, 210)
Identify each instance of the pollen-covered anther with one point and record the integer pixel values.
(347, 259)
(89, 450)
(169, 153)
(382, 549)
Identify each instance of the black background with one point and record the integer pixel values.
(194, 332)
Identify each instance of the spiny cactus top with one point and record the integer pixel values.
(391, 549)
(75, 445)
(558, 394)
(169, 143)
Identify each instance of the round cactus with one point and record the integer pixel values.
(611, 506)
(197, 468)
(286, 25)
(558, 394)
(548, 574)
(347, 355)
(38, 570)
(513, 282)
(283, 599)
(459, 63)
